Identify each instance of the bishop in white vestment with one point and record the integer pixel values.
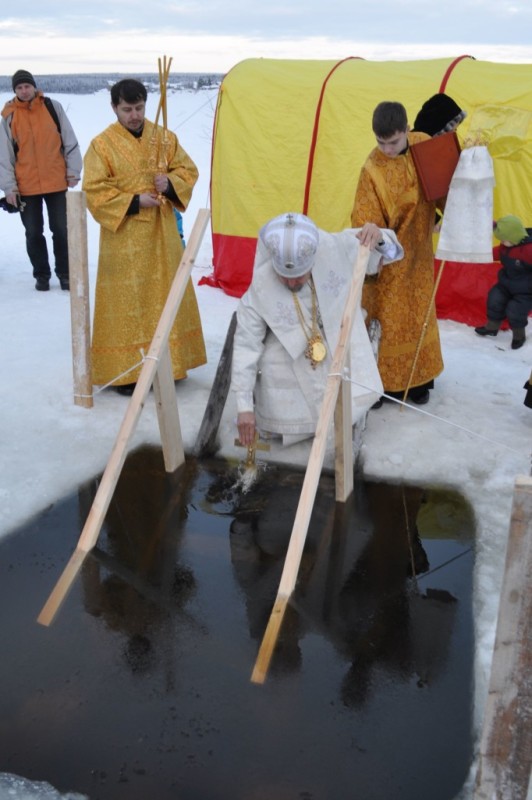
(288, 326)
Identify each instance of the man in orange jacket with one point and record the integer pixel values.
(39, 160)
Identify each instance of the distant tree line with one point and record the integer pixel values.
(94, 82)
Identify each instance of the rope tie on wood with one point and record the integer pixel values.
(122, 374)
(345, 376)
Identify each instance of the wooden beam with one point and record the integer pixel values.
(62, 587)
(313, 472)
(206, 439)
(79, 298)
(505, 758)
(167, 413)
(100, 505)
(343, 438)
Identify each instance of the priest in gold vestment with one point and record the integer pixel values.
(390, 195)
(135, 174)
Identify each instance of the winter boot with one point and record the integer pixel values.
(42, 284)
(491, 328)
(518, 338)
(528, 398)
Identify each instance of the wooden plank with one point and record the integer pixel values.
(374, 332)
(269, 641)
(206, 440)
(76, 203)
(312, 474)
(96, 516)
(62, 587)
(505, 758)
(167, 413)
(343, 438)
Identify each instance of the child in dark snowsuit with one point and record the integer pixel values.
(511, 297)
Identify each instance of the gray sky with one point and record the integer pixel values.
(52, 36)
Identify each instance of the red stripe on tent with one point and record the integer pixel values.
(233, 257)
(461, 296)
(449, 71)
(315, 132)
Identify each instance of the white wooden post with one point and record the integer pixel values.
(505, 757)
(79, 298)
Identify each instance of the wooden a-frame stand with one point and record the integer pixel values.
(155, 370)
(336, 403)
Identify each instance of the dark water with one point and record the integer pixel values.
(140, 690)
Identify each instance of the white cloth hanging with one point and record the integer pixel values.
(467, 228)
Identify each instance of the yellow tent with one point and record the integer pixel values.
(292, 136)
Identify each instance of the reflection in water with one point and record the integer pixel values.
(136, 584)
(384, 620)
(357, 583)
(369, 691)
(259, 537)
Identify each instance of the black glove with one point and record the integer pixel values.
(9, 207)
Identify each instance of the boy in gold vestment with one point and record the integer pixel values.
(390, 195)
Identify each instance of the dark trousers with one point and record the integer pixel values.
(504, 304)
(33, 221)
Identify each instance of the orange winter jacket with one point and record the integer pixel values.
(40, 165)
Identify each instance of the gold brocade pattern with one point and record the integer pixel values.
(389, 194)
(138, 256)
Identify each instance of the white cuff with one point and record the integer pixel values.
(244, 402)
(388, 249)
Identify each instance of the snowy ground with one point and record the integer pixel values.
(474, 435)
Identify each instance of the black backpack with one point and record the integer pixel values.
(53, 113)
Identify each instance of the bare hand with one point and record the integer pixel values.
(72, 181)
(161, 183)
(370, 235)
(12, 198)
(148, 200)
(246, 427)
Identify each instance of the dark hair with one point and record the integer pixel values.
(128, 89)
(388, 118)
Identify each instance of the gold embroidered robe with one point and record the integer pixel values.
(389, 194)
(139, 254)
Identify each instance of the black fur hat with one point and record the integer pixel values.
(22, 76)
(437, 112)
